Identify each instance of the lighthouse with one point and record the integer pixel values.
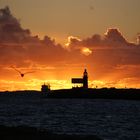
(85, 79)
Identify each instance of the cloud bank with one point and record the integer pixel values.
(108, 57)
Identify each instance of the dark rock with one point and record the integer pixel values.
(31, 133)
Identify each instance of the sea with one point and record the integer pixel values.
(106, 118)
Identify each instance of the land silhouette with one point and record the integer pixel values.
(85, 92)
(90, 93)
(103, 93)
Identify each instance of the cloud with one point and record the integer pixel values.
(110, 49)
(18, 46)
(107, 57)
(138, 40)
(72, 42)
(10, 28)
(112, 38)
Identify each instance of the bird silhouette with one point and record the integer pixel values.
(22, 74)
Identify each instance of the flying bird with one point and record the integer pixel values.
(91, 7)
(22, 74)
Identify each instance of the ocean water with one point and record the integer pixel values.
(108, 119)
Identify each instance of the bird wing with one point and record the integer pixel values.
(16, 69)
(29, 72)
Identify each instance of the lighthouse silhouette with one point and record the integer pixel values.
(85, 79)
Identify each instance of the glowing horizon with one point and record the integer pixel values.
(111, 57)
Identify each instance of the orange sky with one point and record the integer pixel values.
(110, 58)
(83, 18)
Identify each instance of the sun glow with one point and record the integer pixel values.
(86, 51)
(33, 84)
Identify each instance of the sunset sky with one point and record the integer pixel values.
(58, 39)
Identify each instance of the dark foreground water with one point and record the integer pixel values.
(108, 119)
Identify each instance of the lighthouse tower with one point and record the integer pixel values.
(85, 79)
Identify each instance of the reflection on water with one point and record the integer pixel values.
(109, 119)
